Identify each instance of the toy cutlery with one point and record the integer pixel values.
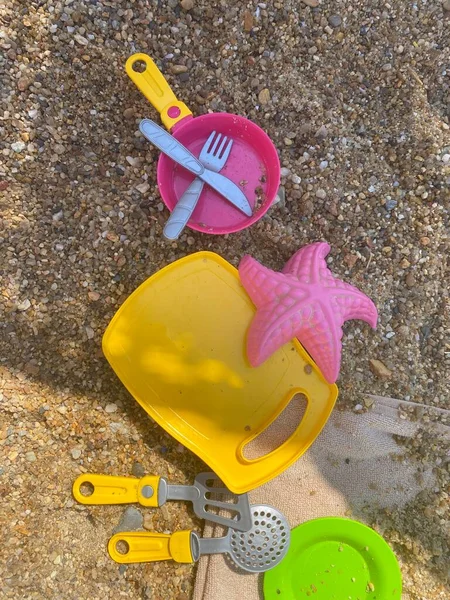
(213, 156)
(170, 146)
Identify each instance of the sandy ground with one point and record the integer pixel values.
(356, 98)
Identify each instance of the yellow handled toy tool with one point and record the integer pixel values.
(257, 550)
(152, 84)
(154, 491)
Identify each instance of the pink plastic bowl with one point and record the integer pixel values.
(253, 164)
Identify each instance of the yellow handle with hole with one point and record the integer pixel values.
(152, 84)
(109, 489)
(141, 546)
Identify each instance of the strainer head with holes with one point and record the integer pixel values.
(265, 544)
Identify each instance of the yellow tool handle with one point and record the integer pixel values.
(152, 84)
(110, 489)
(142, 546)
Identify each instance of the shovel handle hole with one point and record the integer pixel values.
(86, 488)
(139, 66)
(122, 547)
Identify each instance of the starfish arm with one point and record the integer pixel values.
(322, 339)
(272, 328)
(262, 284)
(308, 265)
(314, 327)
(325, 349)
(354, 304)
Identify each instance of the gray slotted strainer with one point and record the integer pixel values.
(256, 550)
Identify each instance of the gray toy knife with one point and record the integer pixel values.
(177, 152)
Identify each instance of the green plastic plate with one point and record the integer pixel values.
(335, 559)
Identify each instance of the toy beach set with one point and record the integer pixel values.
(216, 374)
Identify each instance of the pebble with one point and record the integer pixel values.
(368, 402)
(320, 193)
(390, 204)
(76, 453)
(403, 331)
(137, 470)
(23, 84)
(288, 141)
(311, 3)
(264, 96)
(248, 21)
(410, 280)
(187, 4)
(350, 260)
(24, 305)
(93, 296)
(143, 187)
(379, 369)
(446, 157)
(322, 132)
(280, 198)
(30, 456)
(358, 408)
(18, 146)
(81, 39)
(296, 179)
(129, 113)
(131, 520)
(446, 5)
(335, 21)
(133, 161)
(118, 427)
(178, 69)
(307, 208)
(148, 522)
(284, 171)
(111, 408)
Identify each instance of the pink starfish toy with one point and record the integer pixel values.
(304, 301)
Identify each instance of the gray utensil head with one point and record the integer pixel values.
(215, 497)
(265, 544)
